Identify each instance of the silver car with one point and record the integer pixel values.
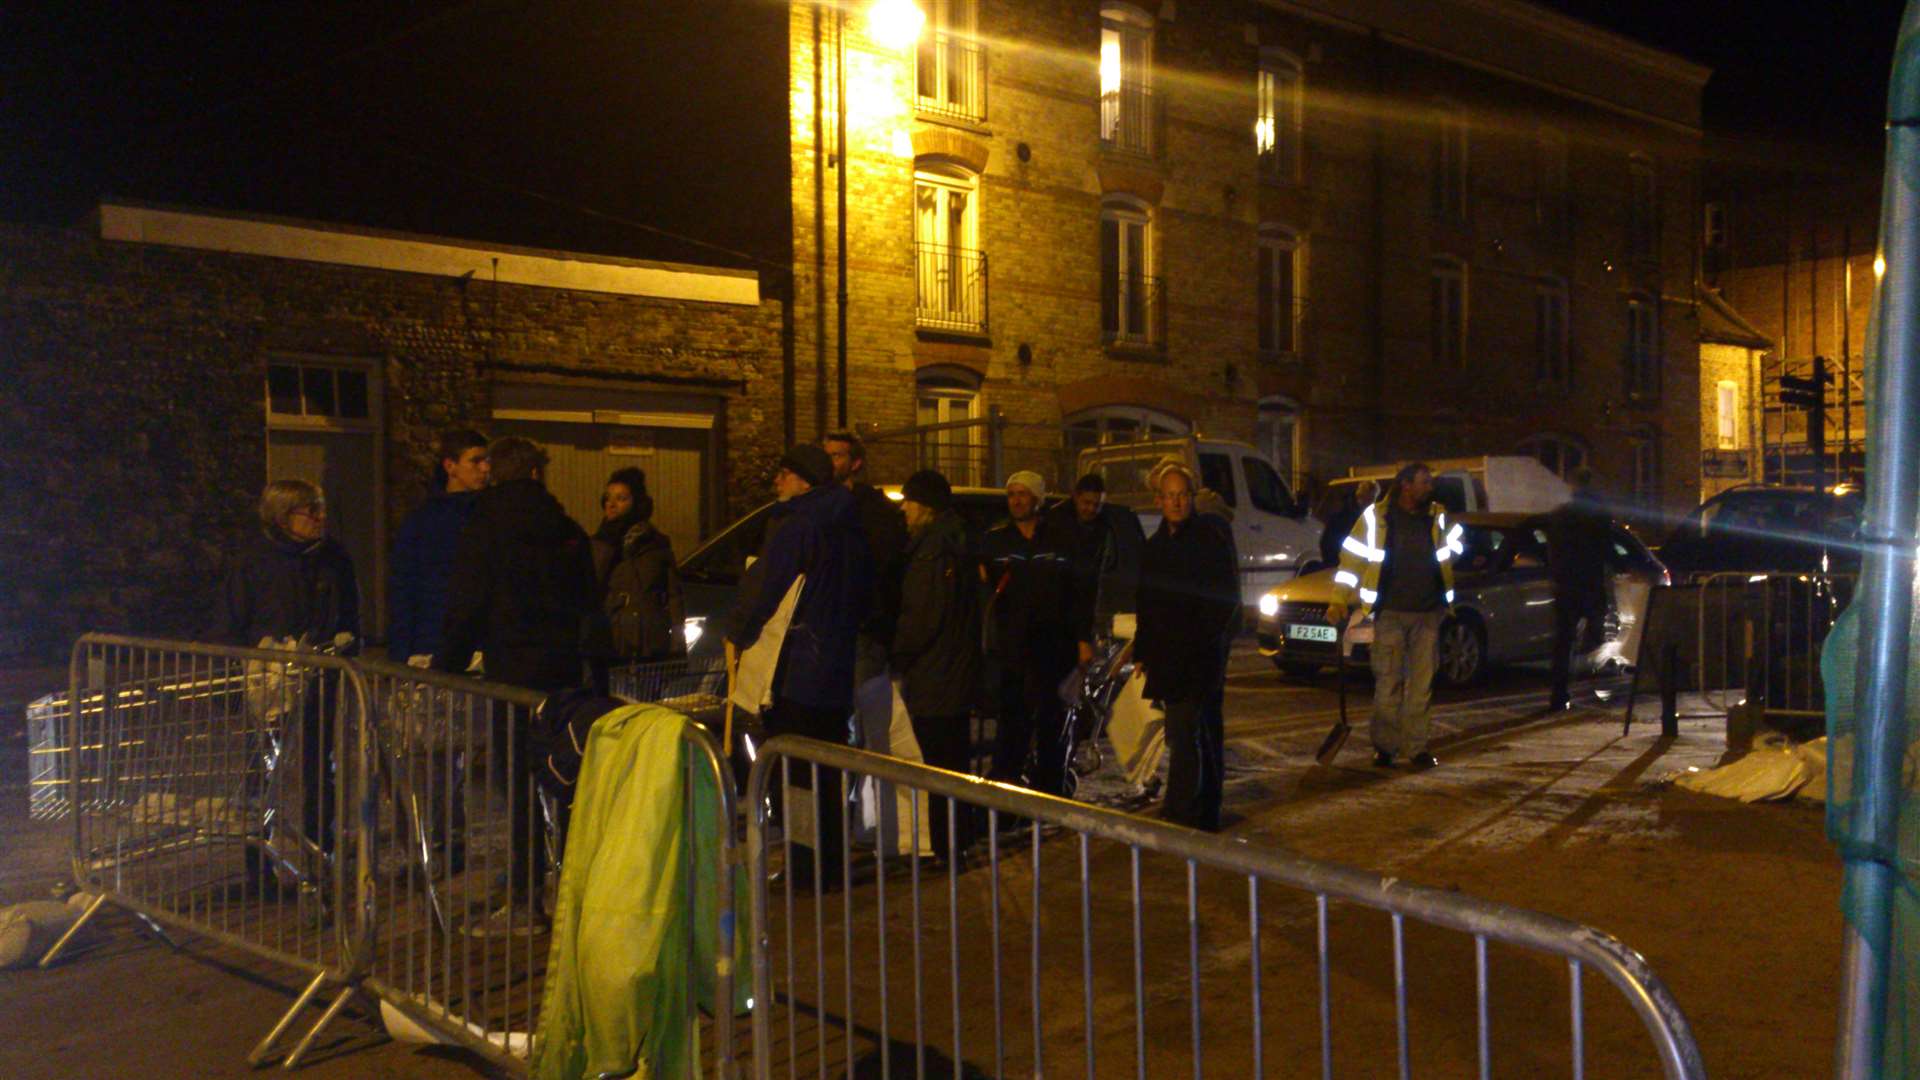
(1503, 605)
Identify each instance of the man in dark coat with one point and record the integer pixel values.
(521, 592)
(1579, 533)
(936, 643)
(815, 532)
(1039, 625)
(423, 549)
(1189, 610)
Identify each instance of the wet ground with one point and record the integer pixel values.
(1736, 908)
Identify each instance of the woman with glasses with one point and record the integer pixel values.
(292, 585)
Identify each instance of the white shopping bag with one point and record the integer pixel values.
(1138, 731)
(887, 811)
(753, 681)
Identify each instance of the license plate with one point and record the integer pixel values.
(1305, 632)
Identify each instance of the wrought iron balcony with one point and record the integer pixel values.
(1133, 312)
(952, 288)
(950, 78)
(1130, 120)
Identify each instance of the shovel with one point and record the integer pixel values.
(1337, 738)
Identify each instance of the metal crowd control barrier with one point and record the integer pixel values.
(466, 853)
(1744, 641)
(210, 789)
(1227, 979)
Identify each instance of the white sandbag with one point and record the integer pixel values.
(753, 679)
(886, 808)
(1138, 732)
(28, 930)
(1771, 772)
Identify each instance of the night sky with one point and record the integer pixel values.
(530, 122)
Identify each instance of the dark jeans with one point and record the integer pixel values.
(1568, 610)
(510, 750)
(1030, 711)
(1196, 761)
(789, 717)
(945, 743)
(318, 710)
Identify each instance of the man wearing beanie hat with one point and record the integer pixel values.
(813, 535)
(936, 642)
(1039, 624)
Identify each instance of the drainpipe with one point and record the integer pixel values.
(1870, 838)
(1377, 248)
(840, 230)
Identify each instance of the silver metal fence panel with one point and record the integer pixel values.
(48, 755)
(211, 790)
(465, 854)
(1229, 1000)
(1758, 638)
(689, 684)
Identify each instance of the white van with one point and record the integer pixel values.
(1270, 529)
(1491, 483)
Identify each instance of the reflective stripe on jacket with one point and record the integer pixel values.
(1364, 552)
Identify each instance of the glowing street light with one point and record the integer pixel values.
(894, 24)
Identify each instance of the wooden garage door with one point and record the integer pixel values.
(582, 456)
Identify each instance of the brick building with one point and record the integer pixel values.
(162, 365)
(1790, 244)
(1345, 232)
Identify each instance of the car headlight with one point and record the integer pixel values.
(1269, 606)
(693, 628)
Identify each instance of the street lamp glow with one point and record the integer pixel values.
(1879, 267)
(894, 24)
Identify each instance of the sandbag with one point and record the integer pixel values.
(29, 929)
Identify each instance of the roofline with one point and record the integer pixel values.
(1659, 61)
(378, 249)
(1752, 339)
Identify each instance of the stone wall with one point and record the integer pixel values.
(136, 445)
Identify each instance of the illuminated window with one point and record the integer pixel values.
(1279, 297)
(1448, 314)
(1450, 174)
(951, 397)
(1550, 331)
(1727, 413)
(1643, 346)
(1130, 301)
(1277, 125)
(1643, 209)
(950, 64)
(1126, 71)
(950, 270)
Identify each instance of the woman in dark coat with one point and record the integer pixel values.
(295, 583)
(642, 597)
(625, 488)
(936, 642)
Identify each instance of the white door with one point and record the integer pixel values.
(581, 456)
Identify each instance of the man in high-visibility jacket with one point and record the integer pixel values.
(1398, 563)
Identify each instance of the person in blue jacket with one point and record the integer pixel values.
(815, 531)
(423, 550)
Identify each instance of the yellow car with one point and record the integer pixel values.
(1502, 612)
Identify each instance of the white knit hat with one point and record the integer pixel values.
(1030, 480)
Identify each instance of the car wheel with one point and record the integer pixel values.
(1297, 670)
(1463, 651)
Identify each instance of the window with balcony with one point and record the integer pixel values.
(1448, 313)
(1643, 209)
(950, 270)
(1643, 346)
(1450, 175)
(1550, 210)
(1126, 80)
(1130, 301)
(1279, 297)
(950, 64)
(1550, 332)
(1277, 126)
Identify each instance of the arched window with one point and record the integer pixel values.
(1130, 303)
(951, 395)
(1643, 346)
(949, 62)
(1550, 331)
(1560, 453)
(1277, 436)
(1277, 125)
(1126, 79)
(950, 270)
(1646, 466)
(1450, 173)
(1279, 299)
